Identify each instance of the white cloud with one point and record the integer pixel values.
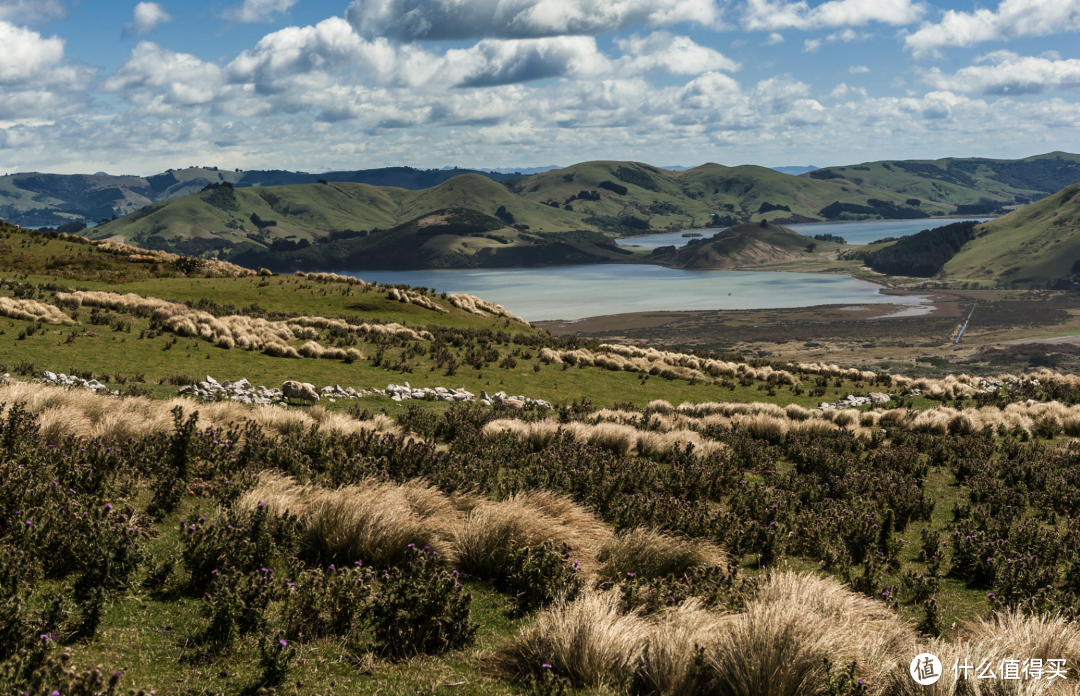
(146, 17)
(774, 38)
(256, 10)
(26, 54)
(846, 36)
(417, 20)
(32, 10)
(774, 15)
(1009, 73)
(1013, 19)
(858, 70)
(35, 81)
(156, 79)
(677, 55)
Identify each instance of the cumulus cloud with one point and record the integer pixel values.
(847, 36)
(774, 38)
(858, 69)
(256, 10)
(156, 79)
(1013, 19)
(774, 15)
(1006, 72)
(436, 20)
(32, 10)
(35, 81)
(146, 17)
(26, 54)
(677, 55)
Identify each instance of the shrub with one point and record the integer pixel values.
(326, 602)
(421, 608)
(537, 576)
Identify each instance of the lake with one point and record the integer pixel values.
(853, 232)
(576, 292)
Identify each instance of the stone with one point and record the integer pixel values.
(878, 398)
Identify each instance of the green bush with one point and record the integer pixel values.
(537, 576)
(421, 608)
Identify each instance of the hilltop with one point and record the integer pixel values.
(969, 186)
(469, 220)
(37, 199)
(662, 197)
(630, 197)
(742, 246)
(1036, 243)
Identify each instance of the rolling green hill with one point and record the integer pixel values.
(35, 199)
(983, 185)
(631, 197)
(1036, 243)
(742, 246)
(467, 221)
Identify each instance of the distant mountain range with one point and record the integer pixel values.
(35, 199)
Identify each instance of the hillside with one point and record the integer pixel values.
(983, 185)
(1036, 243)
(661, 197)
(35, 199)
(631, 197)
(465, 222)
(742, 246)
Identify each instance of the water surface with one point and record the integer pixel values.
(576, 292)
(863, 232)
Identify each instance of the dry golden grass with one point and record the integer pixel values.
(493, 530)
(777, 646)
(671, 653)
(62, 412)
(372, 521)
(589, 641)
(647, 554)
(32, 310)
(210, 268)
(475, 305)
(614, 437)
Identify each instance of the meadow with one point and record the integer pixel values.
(680, 522)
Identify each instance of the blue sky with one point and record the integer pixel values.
(138, 87)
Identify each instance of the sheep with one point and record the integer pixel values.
(297, 390)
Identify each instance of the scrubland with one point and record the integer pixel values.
(680, 523)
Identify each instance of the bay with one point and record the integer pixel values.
(576, 292)
(863, 232)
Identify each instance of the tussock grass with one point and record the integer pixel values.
(63, 412)
(475, 305)
(493, 530)
(776, 646)
(614, 437)
(210, 268)
(647, 553)
(589, 640)
(372, 521)
(32, 310)
(671, 653)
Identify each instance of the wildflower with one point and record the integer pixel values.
(282, 643)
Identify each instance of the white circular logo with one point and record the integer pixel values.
(925, 669)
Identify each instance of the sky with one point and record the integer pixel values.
(317, 85)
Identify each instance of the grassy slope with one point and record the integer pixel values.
(694, 194)
(145, 634)
(749, 245)
(939, 192)
(1036, 242)
(121, 352)
(309, 211)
